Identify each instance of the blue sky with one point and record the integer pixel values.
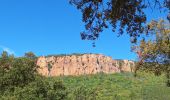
(53, 27)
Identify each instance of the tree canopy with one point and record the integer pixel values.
(154, 53)
(128, 14)
(30, 55)
(19, 80)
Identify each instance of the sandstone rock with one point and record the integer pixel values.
(81, 65)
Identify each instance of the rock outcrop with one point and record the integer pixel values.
(81, 65)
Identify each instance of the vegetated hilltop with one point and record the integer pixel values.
(19, 80)
(81, 64)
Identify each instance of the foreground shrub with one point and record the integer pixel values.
(19, 80)
(42, 90)
(21, 72)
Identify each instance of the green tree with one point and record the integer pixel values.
(19, 80)
(127, 14)
(154, 53)
(5, 61)
(49, 66)
(21, 72)
(42, 89)
(30, 55)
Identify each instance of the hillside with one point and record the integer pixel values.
(19, 80)
(118, 86)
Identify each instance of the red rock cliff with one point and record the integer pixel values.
(81, 64)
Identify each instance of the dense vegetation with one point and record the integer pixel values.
(19, 81)
(121, 86)
(154, 53)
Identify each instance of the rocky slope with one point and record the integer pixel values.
(81, 64)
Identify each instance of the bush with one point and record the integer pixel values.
(42, 90)
(21, 72)
(84, 93)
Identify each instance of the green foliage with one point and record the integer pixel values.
(42, 90)
(21, 72)
(120, 63)
(19, 81)
(129, 15)
(84, 93)
(5, 61)
(30, 55)
(49, 66)
(154, 53)
(122, 86)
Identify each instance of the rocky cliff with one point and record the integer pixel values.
(81, 64)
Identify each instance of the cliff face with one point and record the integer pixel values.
(81, 64)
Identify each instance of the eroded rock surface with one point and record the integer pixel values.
(81, 64)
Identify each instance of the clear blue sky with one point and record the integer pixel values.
(53, 27)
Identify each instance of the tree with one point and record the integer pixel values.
(154, 53)
(42, 89)
(5, 61)
(19, 80)
(16, 72)
(99, 14)
(30, 55)
(49, 66)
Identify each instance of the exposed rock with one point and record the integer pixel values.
(81, 64)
